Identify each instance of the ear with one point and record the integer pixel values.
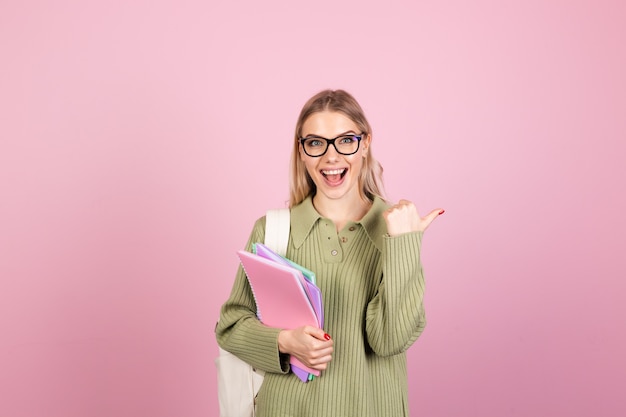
(366, 142)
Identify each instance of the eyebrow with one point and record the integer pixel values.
(348, 133)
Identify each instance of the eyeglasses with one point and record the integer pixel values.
(317, 146)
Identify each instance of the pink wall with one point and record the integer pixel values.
(133, 136)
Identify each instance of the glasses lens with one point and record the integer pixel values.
(315, 146)
(347, 144)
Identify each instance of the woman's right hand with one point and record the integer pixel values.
(312, 346)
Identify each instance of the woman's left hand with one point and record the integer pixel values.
(403, 218)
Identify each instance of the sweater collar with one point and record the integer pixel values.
(304, 216)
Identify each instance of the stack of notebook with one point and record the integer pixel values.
(286, 295)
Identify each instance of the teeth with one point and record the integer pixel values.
(334, 172)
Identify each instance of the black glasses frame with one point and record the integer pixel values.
(332, 142)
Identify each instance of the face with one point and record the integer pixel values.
(335, 175)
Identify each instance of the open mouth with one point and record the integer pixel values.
(334, 175)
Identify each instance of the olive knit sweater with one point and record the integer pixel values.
(372, 288)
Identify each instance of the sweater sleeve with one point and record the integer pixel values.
(240, 332)
(395, 317)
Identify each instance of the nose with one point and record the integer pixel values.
(331, 153)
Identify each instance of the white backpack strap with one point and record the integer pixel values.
(277, 225)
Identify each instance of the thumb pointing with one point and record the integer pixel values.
(430, 217)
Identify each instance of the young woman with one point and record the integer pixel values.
(366, 257)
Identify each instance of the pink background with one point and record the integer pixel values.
(139, 141)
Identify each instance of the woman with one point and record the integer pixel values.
(366, 257)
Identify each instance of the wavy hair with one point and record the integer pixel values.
(301, 184)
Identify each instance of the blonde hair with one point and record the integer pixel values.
(370, 178)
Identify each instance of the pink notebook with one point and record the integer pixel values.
(314, 293)
(280, 297)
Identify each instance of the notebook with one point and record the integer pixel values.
(314, 293)
(281, 299)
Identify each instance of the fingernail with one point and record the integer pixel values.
(441, 212)
(326, 336)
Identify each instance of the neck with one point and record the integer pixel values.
(341, 212)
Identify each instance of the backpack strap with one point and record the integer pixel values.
(277, 225)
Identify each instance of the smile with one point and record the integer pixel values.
(334, 172)
(334, 177)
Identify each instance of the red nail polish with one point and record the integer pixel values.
(326, 336)
(441, 212)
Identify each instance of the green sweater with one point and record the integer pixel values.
(372, 288)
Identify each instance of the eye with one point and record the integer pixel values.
(346, 140)
(313, 143)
